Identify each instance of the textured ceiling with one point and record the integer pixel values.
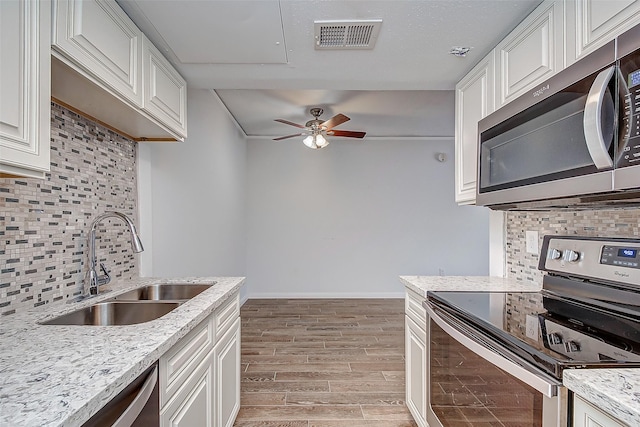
(402, 87)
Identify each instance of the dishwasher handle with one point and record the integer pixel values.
(132, 412)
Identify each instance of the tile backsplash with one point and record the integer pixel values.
(597, 223)
(44, 223)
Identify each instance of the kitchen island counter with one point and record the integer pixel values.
(61, 375)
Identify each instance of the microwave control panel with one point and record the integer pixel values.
(630, 130)
(629, 101)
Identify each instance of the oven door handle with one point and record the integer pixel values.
(485, 348)
(593, 132)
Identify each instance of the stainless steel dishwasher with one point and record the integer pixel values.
(137, 405)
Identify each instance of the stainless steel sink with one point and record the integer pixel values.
(115, 313)
(163, 292)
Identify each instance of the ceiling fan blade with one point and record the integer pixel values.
(287, 122)
(347, 133)
(285, 137)
(336, 120)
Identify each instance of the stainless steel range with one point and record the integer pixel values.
(496, 358)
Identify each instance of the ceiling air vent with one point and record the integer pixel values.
(348, 35)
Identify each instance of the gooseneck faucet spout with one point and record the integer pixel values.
(94, 279)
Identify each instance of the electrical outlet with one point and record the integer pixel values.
(531, 242)
(532, 327)
(441, 272)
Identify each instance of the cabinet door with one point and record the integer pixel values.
(165, 91)
(592, 23)
(587, 415)
(227, 369)
(474, 101)
(25, 107)
(531, 53)
(416, 365)
(100, 38)
(192, 405)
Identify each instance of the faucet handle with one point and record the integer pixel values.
(105, 278)
(104, 269)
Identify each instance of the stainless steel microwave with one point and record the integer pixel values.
(573, 140)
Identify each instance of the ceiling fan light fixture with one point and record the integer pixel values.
(315, 141)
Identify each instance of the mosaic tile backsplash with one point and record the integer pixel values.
(44, 223)
(596, 223)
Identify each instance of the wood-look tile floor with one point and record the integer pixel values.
(323, 363)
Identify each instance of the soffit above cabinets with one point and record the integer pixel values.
(221, 31)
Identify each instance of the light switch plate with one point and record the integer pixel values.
(531, 238)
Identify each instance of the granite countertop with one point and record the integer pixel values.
(616, 391)
(422, 284)
(62, 375)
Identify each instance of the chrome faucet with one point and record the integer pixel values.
(94, 279)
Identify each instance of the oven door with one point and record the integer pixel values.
(473, 381)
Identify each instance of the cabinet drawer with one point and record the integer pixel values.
(413, 308)
(226, 314)
(178, 362)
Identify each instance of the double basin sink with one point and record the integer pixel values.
(135, 306)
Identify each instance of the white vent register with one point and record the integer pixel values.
(347, 35)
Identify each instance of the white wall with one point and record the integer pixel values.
(349, 219)
(192, 196)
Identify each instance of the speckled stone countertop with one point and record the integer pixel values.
(422, 284)
(616, 391)
(62, 375)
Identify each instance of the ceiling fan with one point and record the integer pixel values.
(317, 129)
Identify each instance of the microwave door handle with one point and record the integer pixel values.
(592, 124)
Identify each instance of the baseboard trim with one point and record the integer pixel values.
(320, 295)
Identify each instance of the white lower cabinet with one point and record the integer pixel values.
(587, 415)
(416, 359)
(192, 406)
(200, 375)
(227, 378)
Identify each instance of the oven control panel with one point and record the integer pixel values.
(623, 256)
(610, 259)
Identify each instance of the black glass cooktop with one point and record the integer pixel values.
(549, 332)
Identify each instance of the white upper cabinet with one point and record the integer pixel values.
(592, 23)
(474, 101)
(531, 53)
(105, 68)
(100, 37)
(165, 91)
(25, 108)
